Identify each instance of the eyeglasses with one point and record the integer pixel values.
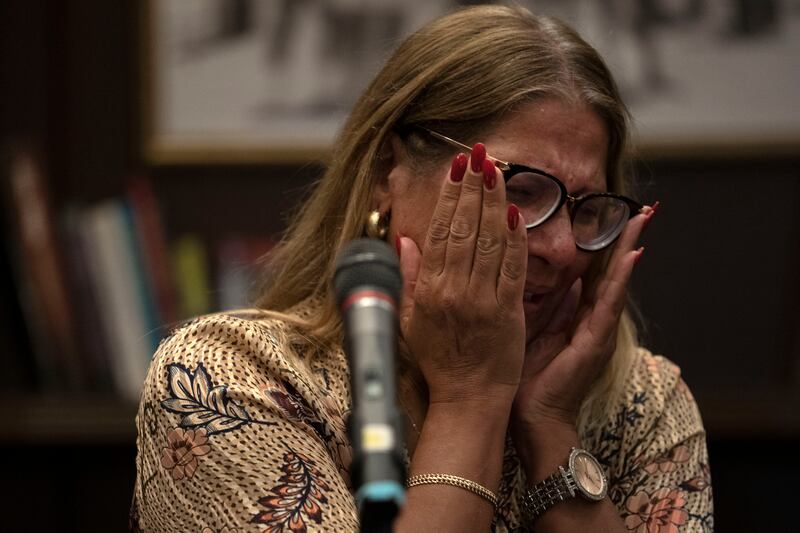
(597, 218)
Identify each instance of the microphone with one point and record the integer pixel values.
(367, 284)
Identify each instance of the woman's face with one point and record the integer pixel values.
(566, 141)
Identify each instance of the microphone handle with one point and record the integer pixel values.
(378, 471)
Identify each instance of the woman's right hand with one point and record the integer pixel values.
(461, 312)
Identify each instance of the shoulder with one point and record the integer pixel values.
(655, 411)
(220, 372)
(232, 405)
(653, 447)
(222, 335)
(251, 350)
(657, 378)
(656, 392)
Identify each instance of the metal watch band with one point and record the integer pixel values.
(556, 488)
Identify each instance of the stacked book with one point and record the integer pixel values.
(98, 286)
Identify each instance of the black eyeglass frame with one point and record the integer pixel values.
(509, 170)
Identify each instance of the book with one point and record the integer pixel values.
(240, 261)
(191, 275)
(38, 266)
(152, 244)
(115, 270)
(17, 370)
(92, 338)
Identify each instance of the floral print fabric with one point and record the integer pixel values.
(240, 430)
(180, 456)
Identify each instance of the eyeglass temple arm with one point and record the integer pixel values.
(503, 165)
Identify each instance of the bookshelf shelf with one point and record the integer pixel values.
(31, 419)
(52, 419)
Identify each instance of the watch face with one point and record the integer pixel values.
(588, 475)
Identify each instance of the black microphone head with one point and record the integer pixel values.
(367, 263)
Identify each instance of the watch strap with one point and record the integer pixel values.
(543, 495)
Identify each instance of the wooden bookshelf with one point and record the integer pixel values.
(32, 419)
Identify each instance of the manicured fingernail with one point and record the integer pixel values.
(639, 254)
(478, 156)
(397, 244)
(656, 206)
(489, 174)
(513, 216)
(649, 216)
(458, 168)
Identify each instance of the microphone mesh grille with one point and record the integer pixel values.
(367, 263)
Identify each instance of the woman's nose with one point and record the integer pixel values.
(553, 242)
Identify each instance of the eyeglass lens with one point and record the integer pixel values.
(537, 196)
(596, 221)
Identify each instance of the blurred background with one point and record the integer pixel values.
(151, 152)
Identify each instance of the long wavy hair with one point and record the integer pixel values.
(460, 75)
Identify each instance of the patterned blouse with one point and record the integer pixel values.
(239, 431)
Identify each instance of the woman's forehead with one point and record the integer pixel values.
(568, 141)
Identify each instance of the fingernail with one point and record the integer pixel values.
(489, 174)
(655, 206)
(478, 156)
(458, 168)
(647, 220)
(513, 216)
(639, 254)
(397, 244)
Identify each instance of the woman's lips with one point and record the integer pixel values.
(533, 297)
(532, 301)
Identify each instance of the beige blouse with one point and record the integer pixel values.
(239, 431)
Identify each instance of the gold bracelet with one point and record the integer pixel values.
(456, 481)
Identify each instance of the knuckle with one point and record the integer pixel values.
(449, 300)
(618, 306)
(437, 298)
(470, 186)
(423, 292)
(506, 308)
(492, 200)
(488, 243)
(513, 270)
(516, 245)
(483, 265)
(449, 195)
(438, 231)
(460, 229)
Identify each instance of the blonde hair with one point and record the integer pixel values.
(459, 75)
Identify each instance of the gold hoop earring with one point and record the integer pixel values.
(377, 225)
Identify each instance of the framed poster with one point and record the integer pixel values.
(262, 80)
(273, 80)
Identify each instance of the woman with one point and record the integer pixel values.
(516, 346)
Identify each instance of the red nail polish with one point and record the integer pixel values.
(647, 220)
(513, 216)
(478, 156)
(458, 168)
(656, 206)
(397, 244)
(639, 254)
(489, 174)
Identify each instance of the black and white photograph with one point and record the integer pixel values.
(275, 78)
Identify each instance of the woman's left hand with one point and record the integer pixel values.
(560, 367)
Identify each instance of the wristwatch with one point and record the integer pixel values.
(582, 476)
